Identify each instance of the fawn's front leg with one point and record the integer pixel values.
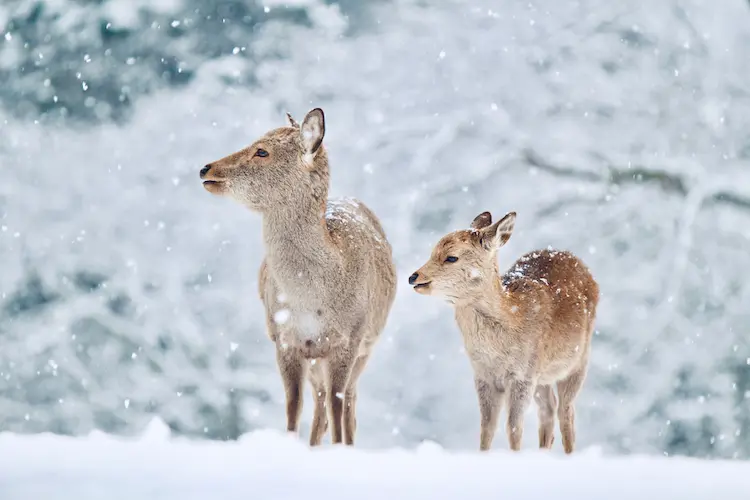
(490, 405)
(292, 369)
(519, 398)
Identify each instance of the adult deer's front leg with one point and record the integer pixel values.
(340, 365)
(292, 369)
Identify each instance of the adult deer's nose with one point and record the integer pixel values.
(205, 170)
(413, 278)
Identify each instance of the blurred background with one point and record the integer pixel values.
(619, 130)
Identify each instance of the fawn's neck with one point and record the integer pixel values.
(299, 250)
(491, 300)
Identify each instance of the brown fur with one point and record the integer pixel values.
(328, 280)
(524, 331)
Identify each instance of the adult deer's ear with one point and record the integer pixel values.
(291, 121)
(312, 130)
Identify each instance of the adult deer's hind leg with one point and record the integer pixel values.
(350, 400)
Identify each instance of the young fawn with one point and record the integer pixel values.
(328, 279)
(523, 331)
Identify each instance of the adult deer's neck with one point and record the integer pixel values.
(298, 247)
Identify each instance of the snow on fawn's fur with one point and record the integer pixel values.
(523, 331)
(327, 281)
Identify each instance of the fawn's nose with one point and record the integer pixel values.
(205, 170)
(413, 278)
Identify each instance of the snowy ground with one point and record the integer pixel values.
(268, 465)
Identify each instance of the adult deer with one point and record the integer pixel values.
(327, 281)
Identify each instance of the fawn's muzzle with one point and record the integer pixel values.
(413, 278)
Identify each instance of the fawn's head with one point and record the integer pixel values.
(288, 165)
(462, 259)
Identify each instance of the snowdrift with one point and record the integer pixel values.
(271, 465)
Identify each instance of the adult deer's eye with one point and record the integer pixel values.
(262, 153)
(451, 258)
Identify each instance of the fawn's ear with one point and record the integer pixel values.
(498, 234)
(312, 131)
(481, 221)
(291, 121)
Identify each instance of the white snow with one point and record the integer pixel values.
(270, 465)
(281, 316)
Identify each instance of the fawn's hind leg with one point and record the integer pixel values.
(567, 390)
(547, 405)
(320, 416)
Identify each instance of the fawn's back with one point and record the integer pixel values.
(556, 298)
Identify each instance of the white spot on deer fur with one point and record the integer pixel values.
(543, 280)
(307, 326)
(577, 347)
(475, 273)
(537, 307)
(281, 298)
(340, 395)
(281, 316)
(313, 361)
(514, 309)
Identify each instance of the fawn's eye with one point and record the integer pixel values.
(451, 258)
(262, 153)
